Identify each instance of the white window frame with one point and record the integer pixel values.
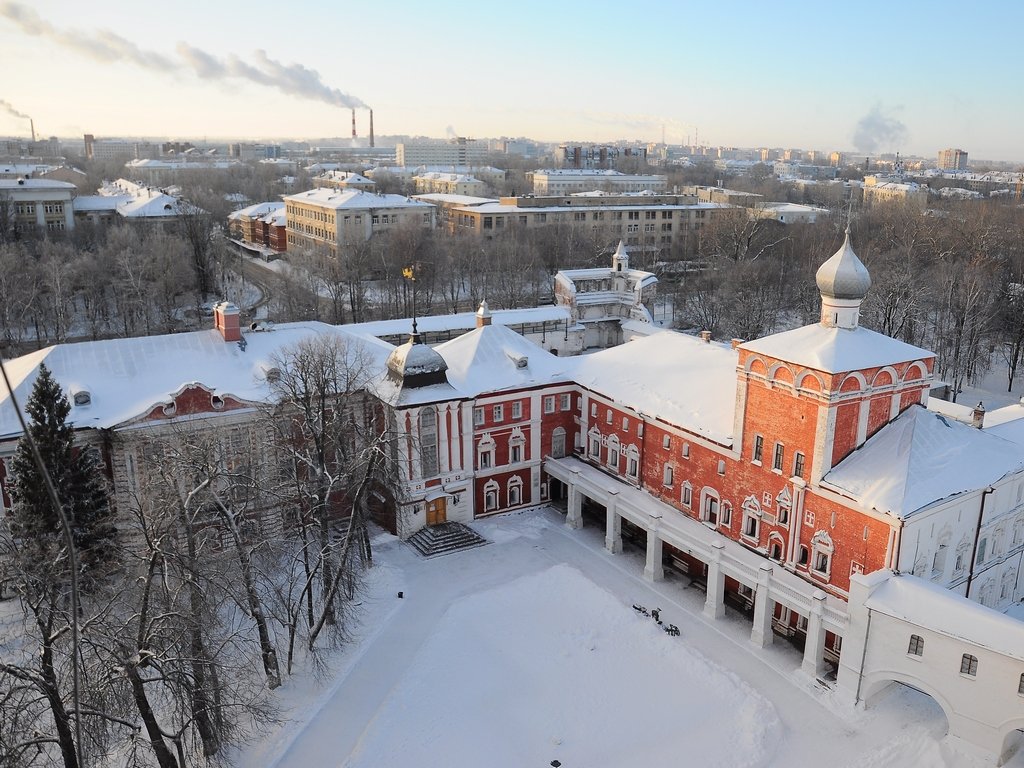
(549, 403)
(517, 409)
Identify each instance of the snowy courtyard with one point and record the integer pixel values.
(528, 650)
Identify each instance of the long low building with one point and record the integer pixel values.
(647, 221)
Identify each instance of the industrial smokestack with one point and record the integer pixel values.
(353, 122)
(33, 124)
(371, 128)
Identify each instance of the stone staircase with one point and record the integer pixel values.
(435, 540)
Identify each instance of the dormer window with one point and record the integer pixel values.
(81, 397)
(217, 402)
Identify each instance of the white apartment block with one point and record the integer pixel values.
(457, 151)
(566, 181)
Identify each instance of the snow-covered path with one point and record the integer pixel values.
(373, 703)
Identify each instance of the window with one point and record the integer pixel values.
(558, 443)
(798, 465)
(969, 665)
(566, 403)
(666, 442)
(478, 416)
(490, 496)
(633, 462)
(667, 475)
(428, 442)
(517, 410)
(613, 452)
(498, 413)
(687, 496)
(710, 511)
(515, 492)
(758, 449)
(686, 450)
(778, 457)
(821, 556)
(608, 417)
(549, 404)
(721, 466)
(485, 453)
(803, 555)
(593, 410)
(916, 647)
(726, 514)
(595, 445)
(515, 450)
(625, 423)
(982, 546)
(751, 518)
(1020, 686)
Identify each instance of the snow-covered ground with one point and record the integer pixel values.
(527, 650)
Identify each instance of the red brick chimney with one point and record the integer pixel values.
(225, 320)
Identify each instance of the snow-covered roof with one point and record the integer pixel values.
(678, 378)
(258, 210)
(925, 604)
(452, 199)
(37, 184)
(495, 358)
(128, 377)
(463, 321)
(329, 197)
(86, 203)
(836, 350)
(26, 169)
(920, 458)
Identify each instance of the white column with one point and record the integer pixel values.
(613, 526)
(40, 214)
(443, 438)
(653, 569)
(574, 508)
(761, 633)
(814, 650)
(69, 216)
(714, 606)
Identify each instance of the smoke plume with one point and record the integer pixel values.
(877, 131)
(11, 110)
(106, 46)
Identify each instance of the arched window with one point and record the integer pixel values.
(613, 452)
(687, 494)
(558, 443)
(428, 442)
(515, 491)
(490, 496)
(969, 665)
(594, 440)
(633, 461)
(751, 518)
(916, 647)
(709, 506)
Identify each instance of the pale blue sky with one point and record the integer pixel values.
(801, 74)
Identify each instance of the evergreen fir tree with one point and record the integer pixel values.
(80, 485)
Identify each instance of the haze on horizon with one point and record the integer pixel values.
(880, 78)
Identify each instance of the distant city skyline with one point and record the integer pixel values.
(880, 78)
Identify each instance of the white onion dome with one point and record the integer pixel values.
(843, 276)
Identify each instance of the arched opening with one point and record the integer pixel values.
(894, 693)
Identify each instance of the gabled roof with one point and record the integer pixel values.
(495, 358)
(836, 350)
(920, 458)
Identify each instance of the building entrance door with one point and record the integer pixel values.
(437, 511)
